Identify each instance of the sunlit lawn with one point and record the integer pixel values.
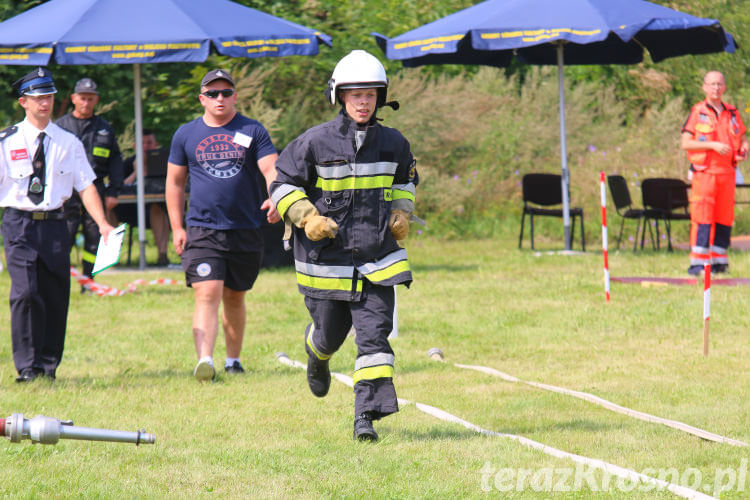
(536, 315)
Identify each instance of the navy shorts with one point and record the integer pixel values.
(231, 256)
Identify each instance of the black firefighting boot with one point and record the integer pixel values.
(318, 374)
(363, 429)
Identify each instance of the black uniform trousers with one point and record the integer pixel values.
(38, 258)
(372, 318)
(76, 215)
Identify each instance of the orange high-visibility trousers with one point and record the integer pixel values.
(711, 216)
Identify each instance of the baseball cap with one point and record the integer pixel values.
(216, 74)
(85, 86)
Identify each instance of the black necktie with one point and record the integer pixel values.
(36, 184)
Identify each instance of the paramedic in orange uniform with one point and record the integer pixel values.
(714, 138)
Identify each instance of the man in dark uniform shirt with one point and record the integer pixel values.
(103, 153)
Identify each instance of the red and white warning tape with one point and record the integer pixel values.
(104, 290)
(706, 304)
(605, 245)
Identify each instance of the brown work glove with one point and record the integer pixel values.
(399, 224)
(303, 214)
(318, 227)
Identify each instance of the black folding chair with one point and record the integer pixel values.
(667, 200)
(544, 190)
(618, 186)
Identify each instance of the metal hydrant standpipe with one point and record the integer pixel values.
(48, 430)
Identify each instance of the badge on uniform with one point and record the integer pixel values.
(19, 154)
(35, 186)
(99, 151)
(412, 170)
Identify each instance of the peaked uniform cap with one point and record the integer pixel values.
(37, 82)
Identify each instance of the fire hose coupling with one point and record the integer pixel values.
(435, 353)
(48, 430)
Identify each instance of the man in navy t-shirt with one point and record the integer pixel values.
(222, 247)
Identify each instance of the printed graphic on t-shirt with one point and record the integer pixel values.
(219, 156)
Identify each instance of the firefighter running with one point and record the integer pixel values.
(714, 138)
(346, 190)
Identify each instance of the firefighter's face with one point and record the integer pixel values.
(360, 103)
(84, 104)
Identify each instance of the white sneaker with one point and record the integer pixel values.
(204, 371)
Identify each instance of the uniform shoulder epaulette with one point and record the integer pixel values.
(8, 132)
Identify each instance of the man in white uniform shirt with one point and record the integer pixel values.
(40, 165)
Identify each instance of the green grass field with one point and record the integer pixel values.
(541, 317)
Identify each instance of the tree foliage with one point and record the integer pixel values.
(463, 122)
(294, 85)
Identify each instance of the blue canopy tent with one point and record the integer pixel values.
(148, 31)
(558, 32)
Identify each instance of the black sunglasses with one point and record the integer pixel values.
(213, 94)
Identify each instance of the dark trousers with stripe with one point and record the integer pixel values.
(38, 258)
(372, 318)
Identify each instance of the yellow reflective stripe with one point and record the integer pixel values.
(400, 194)
(88, 257)
(288, 200)
(321, 357)
(389, 272)
(373, 372)
(327, 283)
(388, 194)
(375, 182)
(99, 151)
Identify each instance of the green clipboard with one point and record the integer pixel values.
(108, 254)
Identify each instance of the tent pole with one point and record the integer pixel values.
(563, 150)
(140, 188)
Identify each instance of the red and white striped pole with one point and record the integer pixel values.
(706, 304)
(604, 236)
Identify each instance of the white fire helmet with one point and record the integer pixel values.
(358, 70)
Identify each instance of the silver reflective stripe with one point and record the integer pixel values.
(342, 171)
(699, 249)
(324, 271)
(381, 358)
(698, 262)
(359, 138)
(390, 259)
(334, 171)
(719, 250)
(282, 191)
(406, 187)
(722, 259)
